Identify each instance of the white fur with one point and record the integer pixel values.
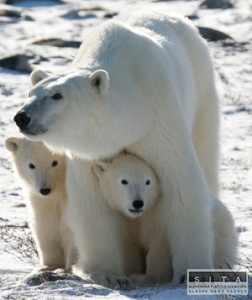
(154, 95)
(127, 182)
(47, 218)
(120, 197)
(226, 239)
(141, 185)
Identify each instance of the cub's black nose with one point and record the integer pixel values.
(45, 191)
(22, 120)
(138, 204)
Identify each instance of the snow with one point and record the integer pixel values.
(233, 64)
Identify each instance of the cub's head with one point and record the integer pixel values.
(40, 169)
(128, 184)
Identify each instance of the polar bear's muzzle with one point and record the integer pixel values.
(26, 125)
(137, 208)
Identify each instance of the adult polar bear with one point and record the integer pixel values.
(145, 84)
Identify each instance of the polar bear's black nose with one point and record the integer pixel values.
(22, 120)
(138, 204)
(45, 191)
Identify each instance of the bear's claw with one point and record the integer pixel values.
(111, 281)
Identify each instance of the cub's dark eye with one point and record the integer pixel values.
(124, 182)
(31, 166)
(57, 96)
(54, 163)
(29, 95)
(147, 182)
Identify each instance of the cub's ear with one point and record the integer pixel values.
(13, 143)
(37, 75)
(99, 80)
(99, 168)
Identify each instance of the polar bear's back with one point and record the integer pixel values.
(150, 47)
(165, 64)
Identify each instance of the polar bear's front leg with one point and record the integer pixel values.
(49, 247)
(159, 262)
(158, 257)
(189, 226)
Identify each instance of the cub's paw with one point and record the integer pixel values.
(63, 271)
(141, 280)
(42, 268)
(111, 281)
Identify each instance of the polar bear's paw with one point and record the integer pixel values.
(44, 268)
(111, 281)
(178, 279)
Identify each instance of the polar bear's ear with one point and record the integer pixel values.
(99, 80)
(12, 144)
(37, 75)
(99, 168)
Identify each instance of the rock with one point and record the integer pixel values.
(213, 35)
(110, 15)
(20, 1)
(193, 17)
(78, 14)
(217, 4)
(7, 11)
(93, 8)
(72, 14)
(42, 277)
(57, 43)
(83, 13)
(88, 16)
(17, 62)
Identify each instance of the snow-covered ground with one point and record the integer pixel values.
(233, 63)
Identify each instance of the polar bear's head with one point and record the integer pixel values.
(88, 112)
(40, 170)
(128, 184)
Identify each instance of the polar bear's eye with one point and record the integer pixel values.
(147, 182)
(54, 163)
(124, 182)
(57, 96)
(31, 166)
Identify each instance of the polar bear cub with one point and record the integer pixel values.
(43, 177)
(128, 184)
(131, 186)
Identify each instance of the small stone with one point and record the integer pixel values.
(57, 43)
(17, 62)
(217, 4)
(213, 35)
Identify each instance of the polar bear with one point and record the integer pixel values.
(156, 99)
(131, 187)
(43, 178)
(127, 178)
